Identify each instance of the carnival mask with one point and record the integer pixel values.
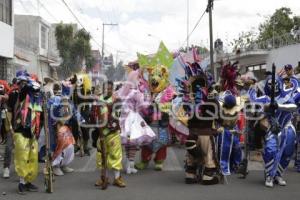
(158, 78)
(2, 90)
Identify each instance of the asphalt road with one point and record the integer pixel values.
(149, 184)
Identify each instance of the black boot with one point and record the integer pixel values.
(21, 189)
(86, 148)
(190, 181)
(210, 176)
(243, 168)
(87, 152)
(30, 187)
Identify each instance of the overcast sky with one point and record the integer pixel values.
(161, 19)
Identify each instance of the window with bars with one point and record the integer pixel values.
(258, 70)
(6, 11)
(3, 67)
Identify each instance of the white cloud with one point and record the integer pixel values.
(163, 19)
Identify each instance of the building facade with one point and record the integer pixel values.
(259, 60)
(6, 39)
(34, 49)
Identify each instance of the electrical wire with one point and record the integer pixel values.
(196, 25)
(77, 19)
(24, 7)
(48, 12)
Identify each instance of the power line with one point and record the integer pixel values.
(25, 8)
(196, 25)
(76, 18)
(48, 12)
(73, 14)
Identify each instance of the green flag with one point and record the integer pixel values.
(142, 59)
(163, 56)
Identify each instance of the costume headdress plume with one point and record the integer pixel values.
(228, 77)
(195, 81)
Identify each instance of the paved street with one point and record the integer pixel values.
(149, 184)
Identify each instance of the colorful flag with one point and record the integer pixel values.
(143, 60)
(163, 56)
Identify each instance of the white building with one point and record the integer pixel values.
(33, 46)
(6, 38)
(259, 60)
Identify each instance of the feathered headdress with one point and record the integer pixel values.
(228, 77)
(195, 81)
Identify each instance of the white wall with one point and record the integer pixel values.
(6, 40)
(284, 55)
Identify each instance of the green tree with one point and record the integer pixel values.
(244, 41)
(110, 72)
(279, 24)
(120, 72)
(64, 39)
(74, 49)
(81, 49)
(296, 27)
(200, 50)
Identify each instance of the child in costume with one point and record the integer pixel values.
(134, 130)
(64, 152)
(229, 132)
(112, 139)
(62, 112)
(229, 126)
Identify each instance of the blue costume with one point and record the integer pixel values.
(297, 159)
(279, 145)
(229, 148)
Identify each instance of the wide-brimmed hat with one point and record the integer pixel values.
(288, 67)
(22, 75)
(239, 82)
(231, 105)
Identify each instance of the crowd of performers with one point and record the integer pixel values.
(146, 113)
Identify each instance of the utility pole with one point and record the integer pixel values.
(209, 10)
(103, 31)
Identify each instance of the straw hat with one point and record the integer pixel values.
(239, 82)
